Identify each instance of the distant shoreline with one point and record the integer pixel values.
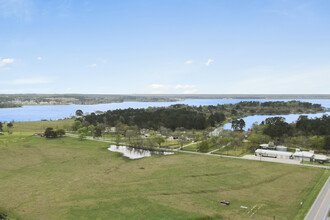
(20, 100)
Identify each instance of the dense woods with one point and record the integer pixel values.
(172, 117)
(193, 117)
(9, 105)
(306, 133)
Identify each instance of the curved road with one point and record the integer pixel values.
(321, 206)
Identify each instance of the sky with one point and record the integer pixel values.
(165, 46)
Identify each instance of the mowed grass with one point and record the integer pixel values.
(70, 179)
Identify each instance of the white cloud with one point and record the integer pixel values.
(93, 65)
(208, 62)
(179, 86)
(189, 62)
(159, 86)
(6, 61)
(39, 58)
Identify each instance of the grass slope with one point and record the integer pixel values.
(71, 179)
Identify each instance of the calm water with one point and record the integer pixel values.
(54, 112)
(259, 118)
(135, 153)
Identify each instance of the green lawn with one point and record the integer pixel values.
(70, 179)
(231, 150)
(192, 147)
(316, 163)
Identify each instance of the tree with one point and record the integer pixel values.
(1, 126)
(10, 124)
(91, 129)
(203, 146)
(50, 133)
(182, 141)
(276, 127)
(82, 133)
(159, 140)
(79, 113)
(317, 142)
(97, 131)
(60, 132)
(235, 124)
(76, 125)
(129, 134)
(327, 143)
(118, 139)
(150, 143)
(241, 124)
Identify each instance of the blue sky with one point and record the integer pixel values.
(165, 46)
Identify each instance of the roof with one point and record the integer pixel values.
(320, 157)
(281, 147)
(275, 152)
(303, 154)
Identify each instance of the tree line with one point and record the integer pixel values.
(193, 117)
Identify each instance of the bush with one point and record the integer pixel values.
(203, 146)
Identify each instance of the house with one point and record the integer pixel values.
(145, 135)
(173, 137)
(109, 130)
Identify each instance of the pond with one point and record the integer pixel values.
(136, 153)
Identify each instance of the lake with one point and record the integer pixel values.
(259, 118)
(54, 112)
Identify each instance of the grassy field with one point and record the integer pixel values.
(316, 163)
(40, 126)
(70, 179)
(231, 150)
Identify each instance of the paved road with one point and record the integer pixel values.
(321, 206)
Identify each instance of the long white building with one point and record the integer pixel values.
(298, 155)
(274, 154)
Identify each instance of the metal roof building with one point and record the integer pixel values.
(303, 155)
(274, 154)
